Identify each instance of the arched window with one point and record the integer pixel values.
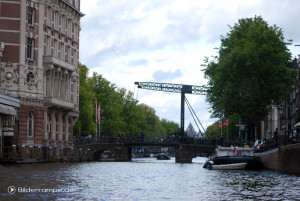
(30, 124)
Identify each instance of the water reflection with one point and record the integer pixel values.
(145, 179)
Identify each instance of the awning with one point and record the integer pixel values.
(297, 125)
(5, 109)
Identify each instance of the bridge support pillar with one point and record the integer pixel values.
(122, 153)
(185, 153)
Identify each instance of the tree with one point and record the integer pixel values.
(85, 124)
(170, 126)
(251, 72)
(212, 131)
(120, 112)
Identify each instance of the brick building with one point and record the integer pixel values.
(39, 76)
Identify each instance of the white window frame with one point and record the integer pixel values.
(30, 48)
(49, 17)
(76, 3)
(62, 51)
(63, 24)
(68, 54)
(48, 45)
(55, 48)
(76, 32)
(31, 16)
(56, 20)
(75, 57)
(69, 28)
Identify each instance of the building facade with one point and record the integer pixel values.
(39, 69)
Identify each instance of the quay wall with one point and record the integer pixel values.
(286, 158)
(289, 158)
(270, 159)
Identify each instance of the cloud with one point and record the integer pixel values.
(139, 62)
(166, 41)
(162, 76)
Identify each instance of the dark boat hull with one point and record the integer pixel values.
(253, 163)
(163, 157)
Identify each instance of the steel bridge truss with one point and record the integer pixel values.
(174, 88)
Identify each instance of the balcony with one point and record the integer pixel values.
(59, 103)
(55, 61)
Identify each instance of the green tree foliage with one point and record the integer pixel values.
(170, 126)
(152, 126)
(251, 73)
(120, 112)
(213, 131)
(85, 123)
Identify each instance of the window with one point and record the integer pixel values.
(55, 49)
(76, 3)
(8, 125)
(76, 33)
(48, 83)
(30, 48)
(56, 20)
(75, 58)
(48, 45)
(30, 16)
(63, 24)
(69, 28)
(49, 16)
(30, 124)
(70, 1)
(68, 54)
(62, 51)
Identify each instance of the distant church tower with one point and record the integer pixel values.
(191, 131)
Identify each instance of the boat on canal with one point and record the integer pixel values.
(233, 166)
(233, 158)
(107, 156)
(163, 156)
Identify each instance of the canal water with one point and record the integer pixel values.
(142, 179)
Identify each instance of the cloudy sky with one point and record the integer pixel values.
(167, 40)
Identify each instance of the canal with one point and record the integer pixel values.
(142, 179)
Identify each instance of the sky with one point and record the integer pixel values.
(166, 41)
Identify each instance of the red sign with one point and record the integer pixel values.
(226, 122)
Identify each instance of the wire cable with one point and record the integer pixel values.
(188, 103)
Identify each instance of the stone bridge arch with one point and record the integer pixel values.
(186, 152)
(123, 152)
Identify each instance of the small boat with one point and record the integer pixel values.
(233, 166)
(234, 155)
(163, 156)
(107, 156)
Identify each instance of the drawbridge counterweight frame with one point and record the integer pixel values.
(174, 88)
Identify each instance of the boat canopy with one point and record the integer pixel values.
(234, 151)
(297, 125)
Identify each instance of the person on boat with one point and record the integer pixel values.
(142, 136)
(276, 135)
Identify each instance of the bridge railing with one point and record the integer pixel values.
(78, 141)
(131, 139)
